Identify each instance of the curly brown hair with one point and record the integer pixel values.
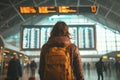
(60, 29)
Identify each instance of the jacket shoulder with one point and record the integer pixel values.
(72, 46)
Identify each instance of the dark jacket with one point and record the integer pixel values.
(74, 55)
(33, 65)
(100, 67)
(14, 69)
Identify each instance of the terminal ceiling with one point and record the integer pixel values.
(108, 12)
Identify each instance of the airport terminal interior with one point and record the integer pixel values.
(94, 26)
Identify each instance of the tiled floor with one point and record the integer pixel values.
(89, 75)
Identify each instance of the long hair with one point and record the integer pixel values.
(60, 29)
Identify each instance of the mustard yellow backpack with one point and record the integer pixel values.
(57, 64)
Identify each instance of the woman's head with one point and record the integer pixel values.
(60, 29)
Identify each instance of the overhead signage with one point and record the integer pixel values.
(47, 9)
(58, 9)
(27, 10)
(67, 9)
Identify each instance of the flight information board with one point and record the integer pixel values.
(34, 37)
(87, 37)
(30, 38)
(45, 33)
(57, 10)
(73, 36)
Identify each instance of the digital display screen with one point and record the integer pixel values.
(73, 36)
(67, 9)
(30, 38)
(87, 37)
(58, 9)
(47, 9)
(34, 37)
(27, 10)
(91, 9)
(45, 34)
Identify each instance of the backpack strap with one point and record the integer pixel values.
(71, 60)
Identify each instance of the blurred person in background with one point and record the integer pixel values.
(100, 67)
(14, 68)
(33, 67)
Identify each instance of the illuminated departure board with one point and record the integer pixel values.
(30, 38)
(73, 36)
(34, 37)
(86, 37)
(45, 33)
(27, 10)
(67, 9)
(58, 9)
(47, 9)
